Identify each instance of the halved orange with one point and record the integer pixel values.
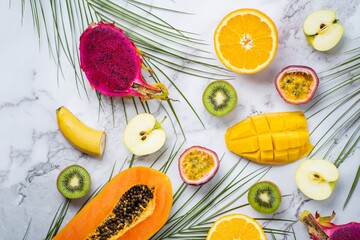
(246, 40)
(236, 226)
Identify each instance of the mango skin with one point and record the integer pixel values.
(271, 138)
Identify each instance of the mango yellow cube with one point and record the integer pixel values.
(271, 138)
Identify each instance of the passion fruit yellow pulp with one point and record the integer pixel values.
(197, 165)
(297, 84)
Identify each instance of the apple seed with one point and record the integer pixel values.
(317, 177)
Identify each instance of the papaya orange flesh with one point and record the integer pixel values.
(135, 204)
(271, 138)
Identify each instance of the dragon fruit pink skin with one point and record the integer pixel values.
(112, 64)
(321, 228)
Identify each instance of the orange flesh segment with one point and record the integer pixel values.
(246, 41)
(236, 226)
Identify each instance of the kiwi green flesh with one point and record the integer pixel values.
(74, 182)
(264, 197)
(219, 98)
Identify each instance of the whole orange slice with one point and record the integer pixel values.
(236, 226)
(246, 40)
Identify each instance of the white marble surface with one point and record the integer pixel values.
(33, 151)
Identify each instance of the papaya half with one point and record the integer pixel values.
(134, 205)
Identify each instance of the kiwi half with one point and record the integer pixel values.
(264, 197)
(219, 98)
(74, 182)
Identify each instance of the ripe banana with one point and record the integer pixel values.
(84, 138)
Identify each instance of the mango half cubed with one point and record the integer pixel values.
(293, 139)
(267, 156)
(271, 138)
(293, 154)
(301, 123)
(252, 156)
(276, 123)
(245, 145)
(280, 157)
(280, 141)
(303, 137)
(260, 124)
(305, 149)
(241, 130)
(290, 123)
(265, 142)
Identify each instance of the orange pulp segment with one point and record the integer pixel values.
(246, 40)
(236, 226)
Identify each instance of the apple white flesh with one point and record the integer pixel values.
(331, 36)
(316, 178)
(313, 22)
(143, 135)
(322, 30)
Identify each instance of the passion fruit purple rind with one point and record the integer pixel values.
(198, 165)
(297, 84)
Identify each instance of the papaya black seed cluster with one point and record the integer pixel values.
(129, 208)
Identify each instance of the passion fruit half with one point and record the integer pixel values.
(197, 165)
(297, 84)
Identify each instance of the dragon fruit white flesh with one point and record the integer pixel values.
(321, 228)
(112, 63)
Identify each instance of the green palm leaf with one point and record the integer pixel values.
(338, 108)
(193, 207)
(27, 230)
(195, 210)
(165, 46)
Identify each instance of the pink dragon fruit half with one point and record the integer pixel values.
(112, 63)
(321, 228)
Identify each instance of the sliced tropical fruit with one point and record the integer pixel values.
(198, 165)
(270, 138)
(144, 135)
(219, 98)
(264, 197)
(236, 226)
(297, 84)
(246, 40)
(323, 30)
(317, 178)
(320, 227)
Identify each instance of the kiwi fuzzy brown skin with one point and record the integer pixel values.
(219, 98)
(264, 189)
(69, 173)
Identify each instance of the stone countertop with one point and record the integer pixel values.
(33, 151)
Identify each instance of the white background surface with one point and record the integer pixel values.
(33, 151)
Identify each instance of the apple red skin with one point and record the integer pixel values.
(208, 177)
(297, 69)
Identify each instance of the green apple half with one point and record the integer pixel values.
(322, 30)
(316, 178)
(144, 135)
